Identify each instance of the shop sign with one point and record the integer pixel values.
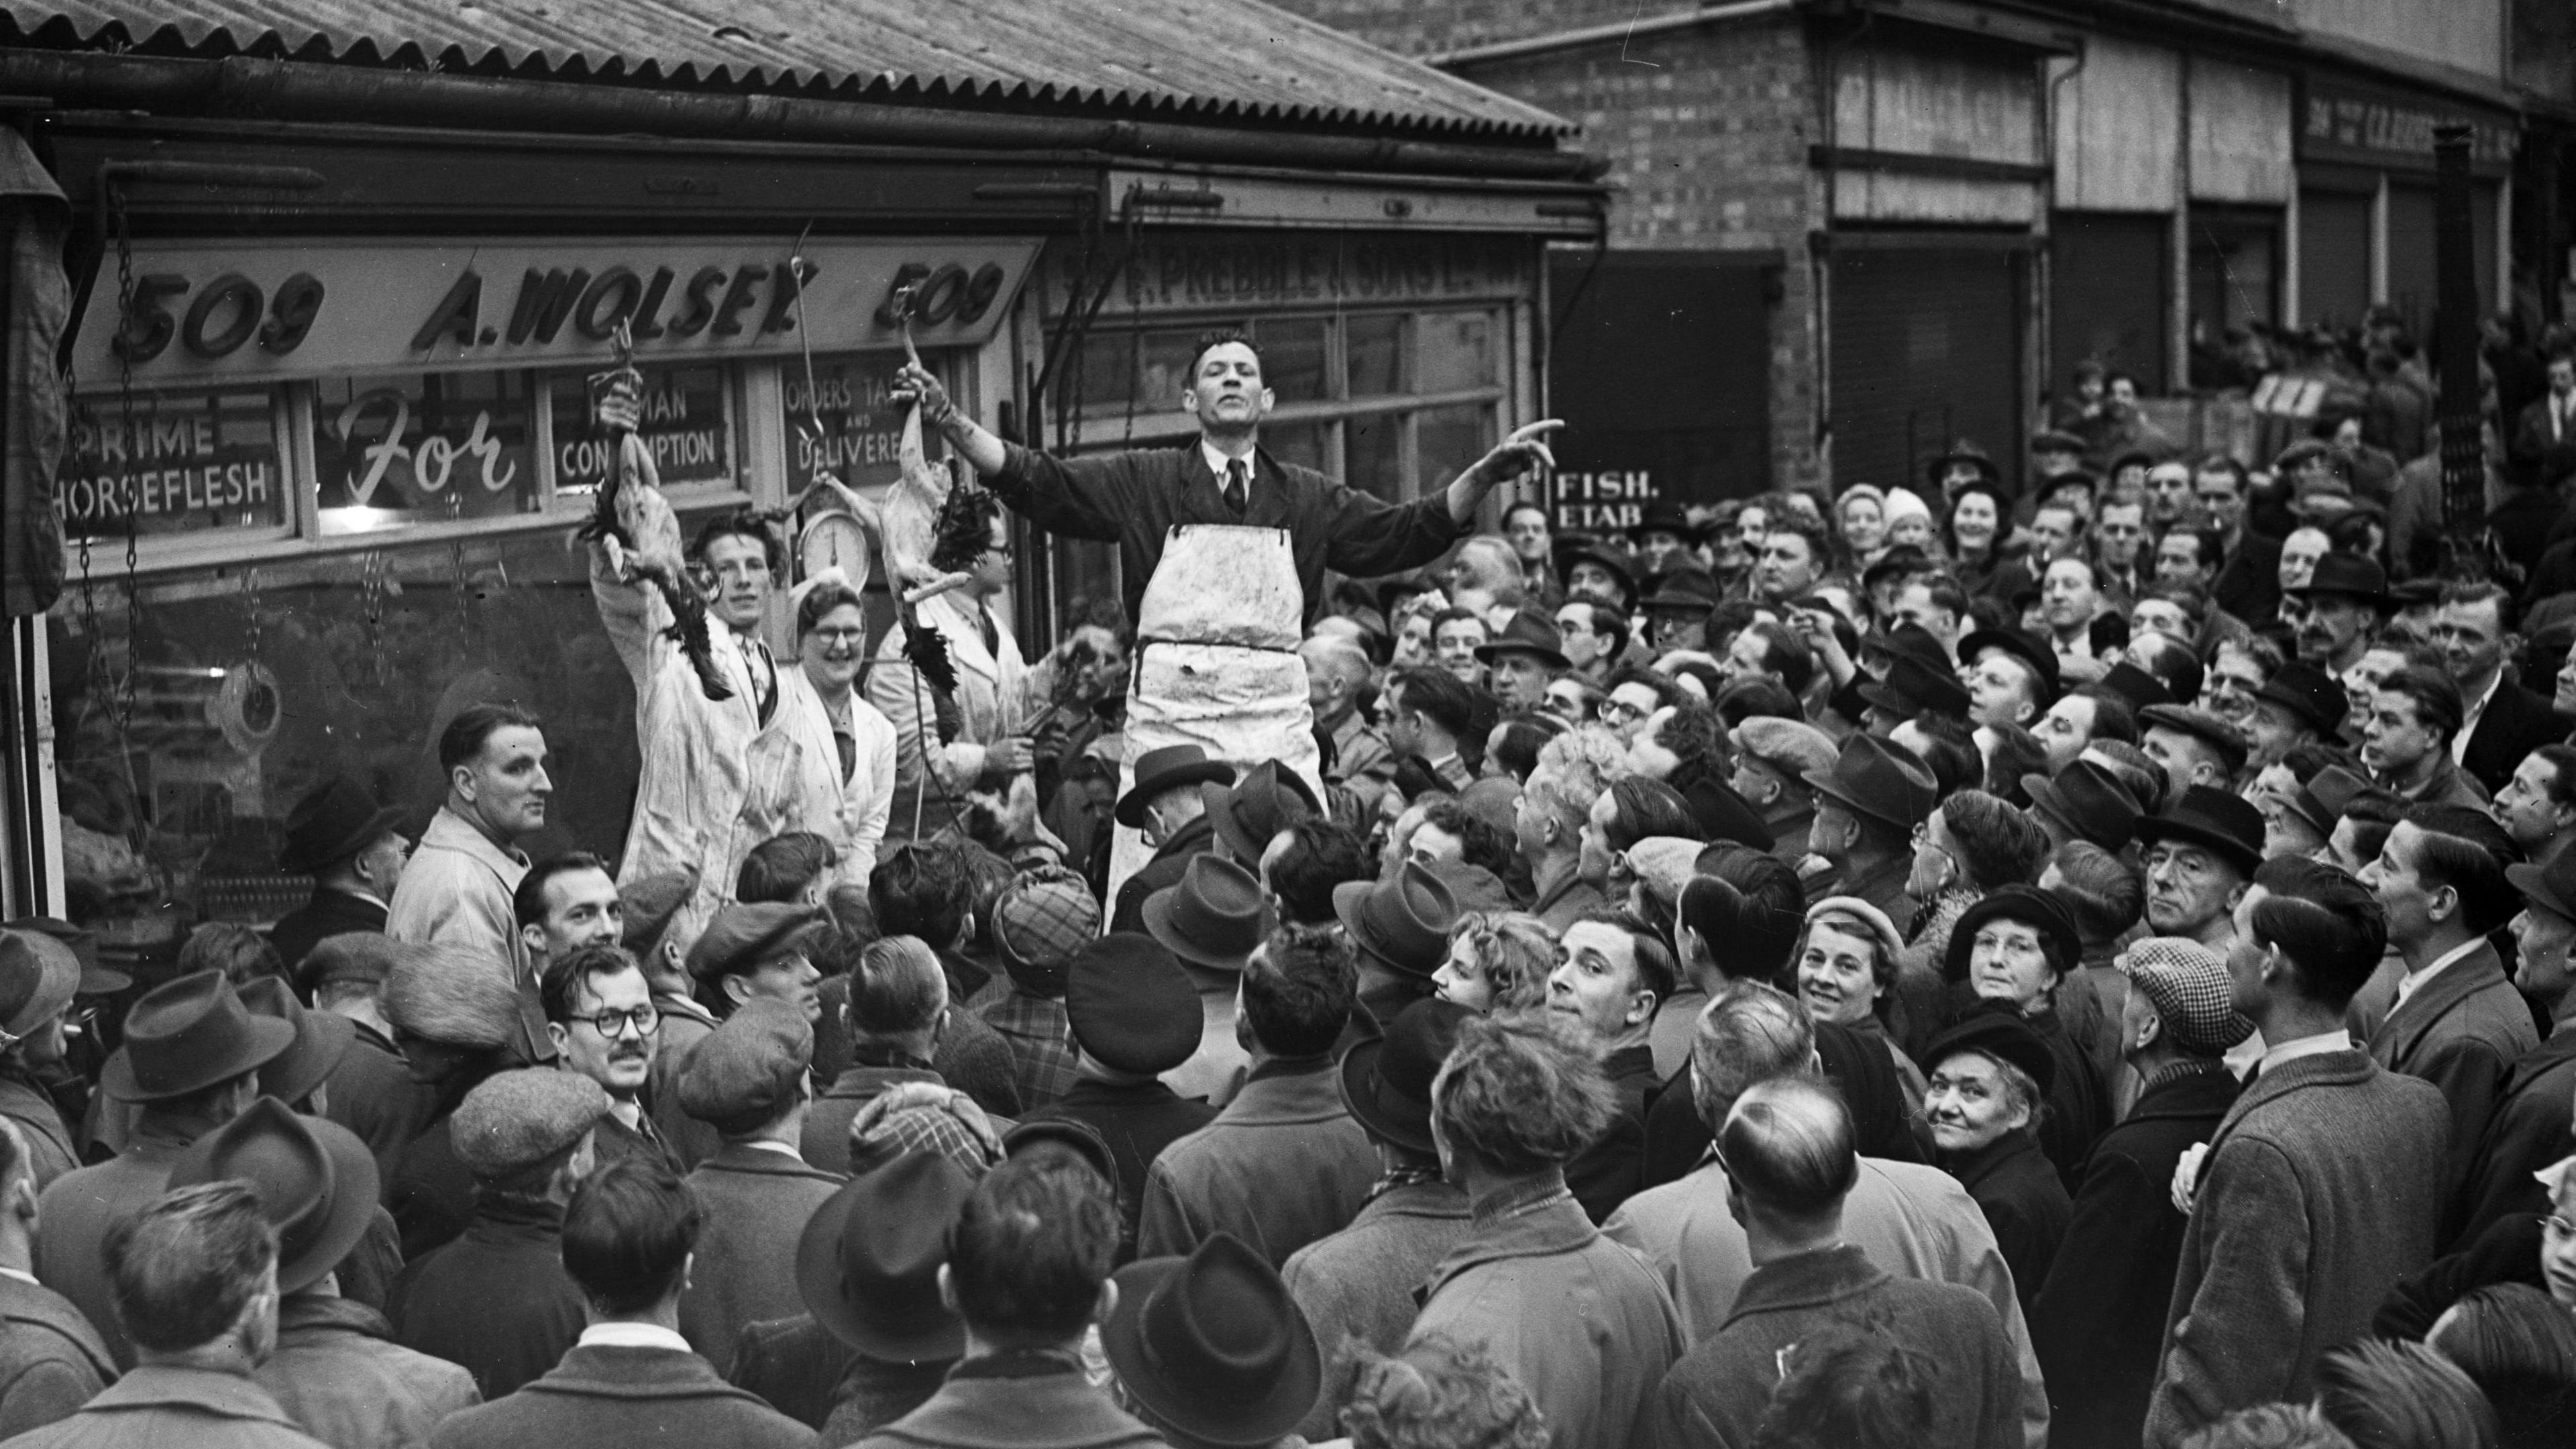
(422, 449)
(861, 425)
(172, 463)
(1611, 501)
(684, 425)
(2375, 126)
(277, 309)
(1192, 273)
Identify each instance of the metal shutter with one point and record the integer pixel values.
(2334, 257)
(1926, 347)
(2109, 281)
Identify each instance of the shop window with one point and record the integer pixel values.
(1455, 351)
(175, 463)
(2235, 286)
(1446, 441)
(847, 421)
(1296, 357)
(1376, 460)
(424, 449)
(688, 423)
(1308, 445)
(1376, 355)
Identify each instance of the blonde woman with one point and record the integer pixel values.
(1498, 961)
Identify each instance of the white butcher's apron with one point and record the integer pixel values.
(1216, 664)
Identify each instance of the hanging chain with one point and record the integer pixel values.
(251, 606)
(371, 603)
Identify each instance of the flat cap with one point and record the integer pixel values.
(2188, 986)
(2202, 725)
(650, 902)
(746, 1071)
(1790, 746)
(1040, 921)
(359, 958)
(454, 995)
(518, 1119)
(741, 936)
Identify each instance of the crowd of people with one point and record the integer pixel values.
(1943, 965)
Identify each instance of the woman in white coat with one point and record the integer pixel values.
(987, 746)
(846, 748)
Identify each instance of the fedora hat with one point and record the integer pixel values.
(1386, 1081)
(2135, 685)
(333, 823)
(1528, 633)
(2088, 800)
(1661, 516)
(2550, 885)
(1268, 799)
(1213, 1345)
(2349, 576)
(1403, 922)
(1685, 591)
(315, 1180)
(187, 1035)
(322, 1038)
(95, 980)
(1913, 686)
(2316, 698)
(867, 1264)
(1886, 782)
(2033, 652)
(38, 978)
(1609, 556)
(1911, 639)
(1168, 768)
(1723, 814)
(1214, 917)
(1964, 451)
(2225, 824)
(2055, 440)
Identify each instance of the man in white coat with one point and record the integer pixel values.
(984, 746)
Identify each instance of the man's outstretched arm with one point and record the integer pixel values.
(1078, 499)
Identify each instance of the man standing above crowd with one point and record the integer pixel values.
(460, 887)
(2324, 1183)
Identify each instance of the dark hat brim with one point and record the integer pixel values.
(2533, 882)
(303, 862)
(2047, 797)
(818, 1283)
(1130, 809)
(2301, 705)
(2152, 828)
(321, 1041)
(265, 1040)
(1824, 786)
(2380, 600)
(1552, 658)
(355, 1181)
(1350, 907)
(1236, 1423)
(1158, 924)
(1359, 1070)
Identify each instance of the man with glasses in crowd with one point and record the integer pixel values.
(604, 1025)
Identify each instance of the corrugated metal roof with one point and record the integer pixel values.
(1212, 60)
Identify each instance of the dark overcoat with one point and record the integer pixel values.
(495, 1300)
(756, 1205)
(2528, 1131)
(1138, 1120)
(2018, 1189)
(340, 1376)
(616, 1398)
(1281, 1166)
(51, 1360)
(1359, 1283)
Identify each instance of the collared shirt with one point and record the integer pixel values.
(767, 1144)
(2476, 710)
(1217, 462)
(2407, 984)
(2337, 1040)
(27, 1278)
(631, 1335)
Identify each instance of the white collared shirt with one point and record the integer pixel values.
(2477, 710)
(1217, 461)
(2337, 1040)
(771, 1144)
(631, 1335)
(29, 1279)
(2407, 984)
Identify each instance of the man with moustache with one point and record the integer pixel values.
(2337, 612)
(605, 1026)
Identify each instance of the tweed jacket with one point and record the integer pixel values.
(1138, 1120)
(1040, 1036)
(338, 1374)
(2322, 1188)
(1359, 1283)
(757, 1202)
(77, 1210)
(603, 1397)
(50, 1149)
(51, 1359)
(2100, 1318)
(1715, 1395)
(1281, 1166)
(2528, 1132)
(159, 1408)
(794, 1365)
(2462, 1031)
(1016, 1401)
(1912, 1220)
(496, 1300)
(1577, 1319)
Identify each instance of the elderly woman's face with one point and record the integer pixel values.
(1837, 979)
(2005, 963)
(1969, 1105)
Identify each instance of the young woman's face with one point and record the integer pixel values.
(1864, 524)
(1974, 522)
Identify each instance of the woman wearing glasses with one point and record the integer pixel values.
(845, 763)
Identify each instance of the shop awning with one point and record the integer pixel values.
(1205, 61)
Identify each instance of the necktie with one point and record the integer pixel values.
(1238, 486)
(992, 635)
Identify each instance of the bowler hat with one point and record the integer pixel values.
(1386, 1081)
(2041, 910)
(2033, 652)
(1886, 782)
(1269, 798)
(1685, 591)
(1724, 815)
(2349, 576)
(1214, 917)
(1213, 1345)
(1130, 1005)
(322, 1038)
(867, 1264)
(187, 1035)
(1913, 640)
(1608, 556)
(315, 1180)
(38, 978)
(1529, 632)
(2088, 800)
(2317, 698)
(2136, 686)
(2550, 884)
(1912, 686)
(1963, 451)
(1403, 922)
(2201, 725)
(95, 980)
(333, 823)
(2187, 984)
(1168, 768)
(2225, 824)
(1661, 516)
(1998, 1031)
